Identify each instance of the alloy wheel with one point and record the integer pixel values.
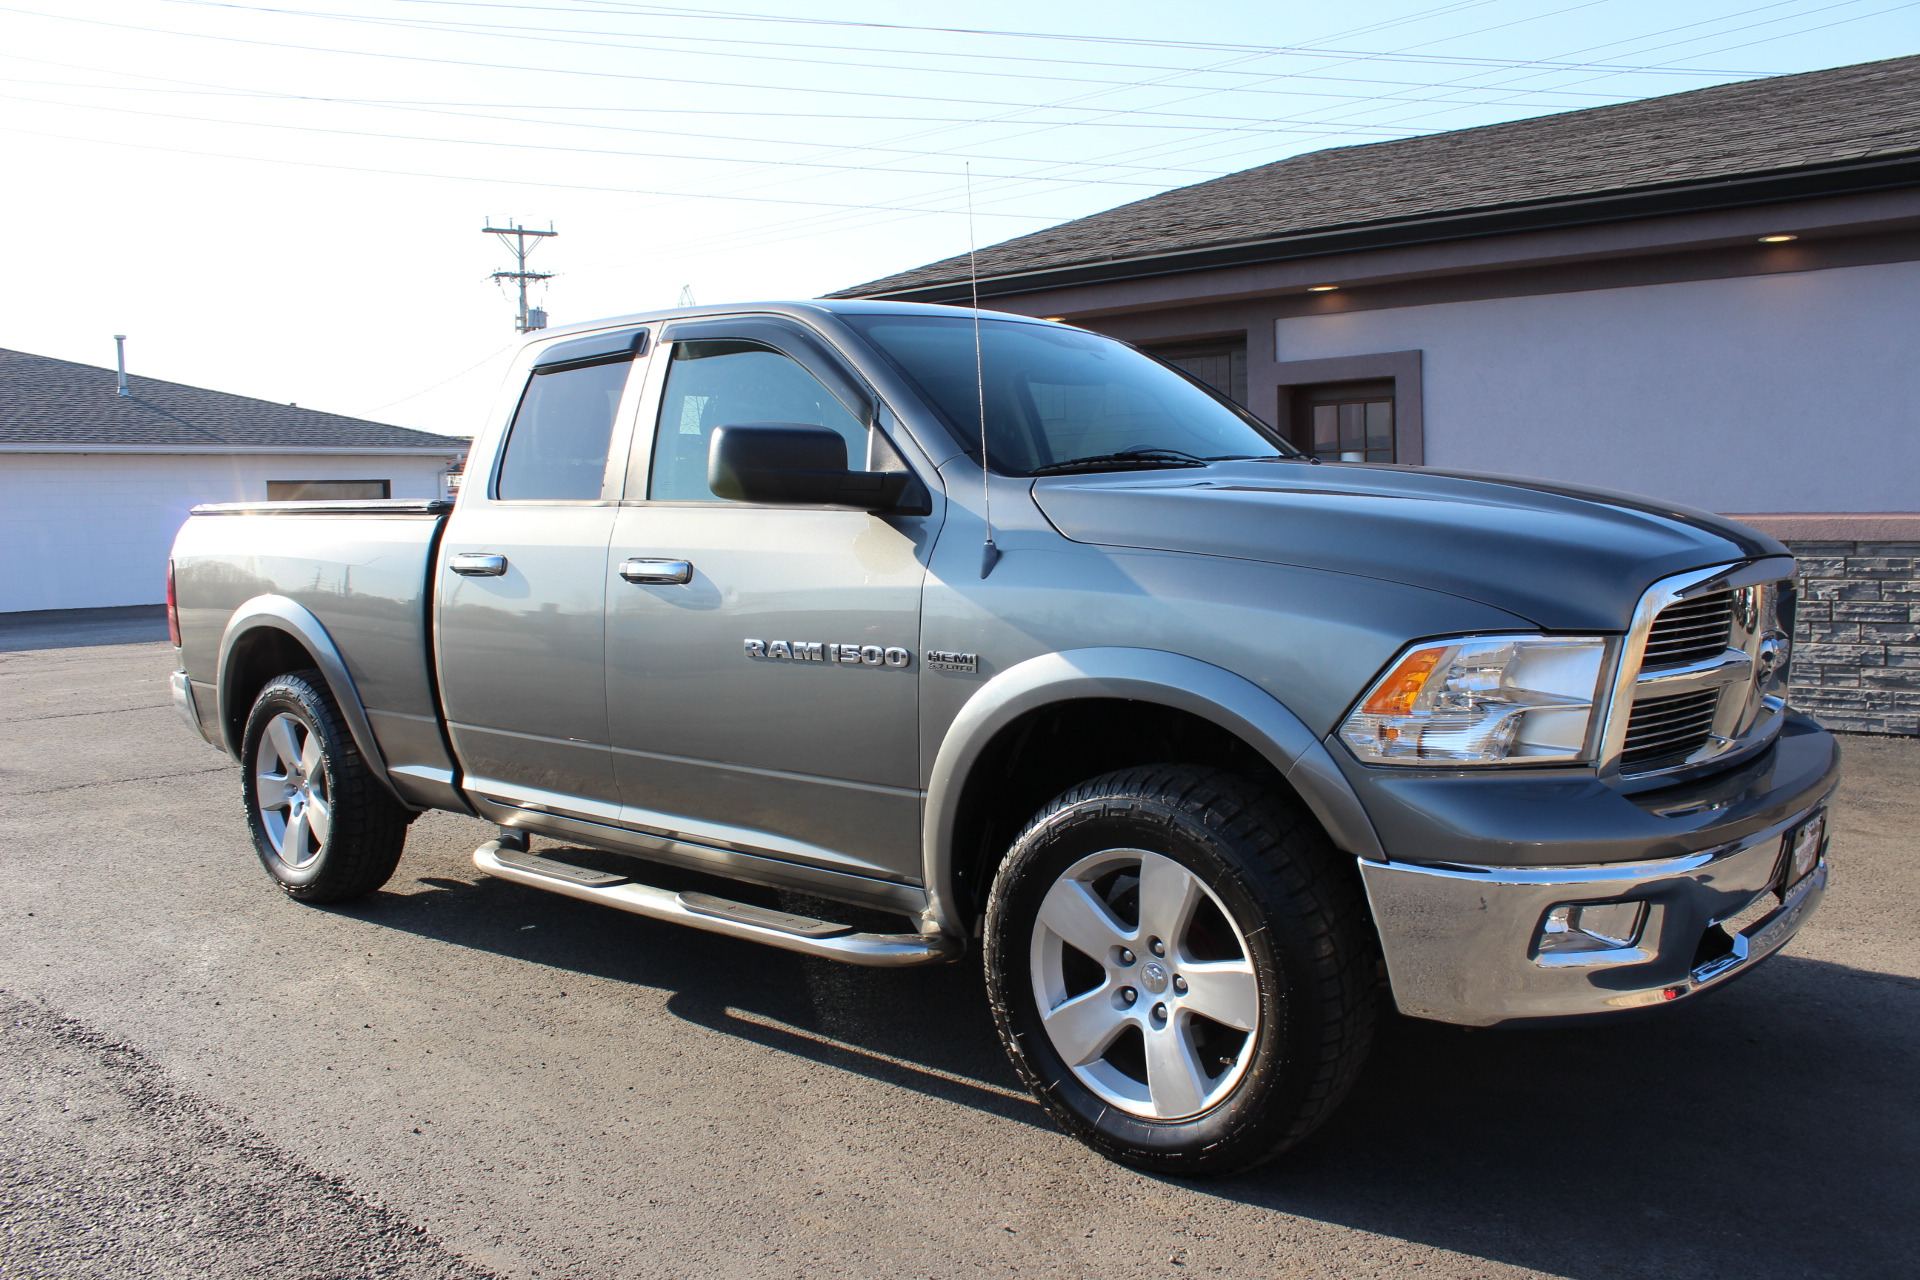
(1145, 985)
(290, 787)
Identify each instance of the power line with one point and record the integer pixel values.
(511, 182)
(615, 75)
(996, 57)
(1167, 75)
(921, 205)
(699, 111)
(715, 15)
(443, 382)
(1346, 123)
(548, 147)
(614, 128)
(1744, 13)
(458, 62)
(1268, 126)
(553, 35)
(1549, 66)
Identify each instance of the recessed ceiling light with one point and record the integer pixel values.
(1322, 288)
(1056, 319)
(1777, 239)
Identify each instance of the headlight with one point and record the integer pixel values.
(1481, 700)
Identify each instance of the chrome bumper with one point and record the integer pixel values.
(183, 702)
(1462, 943)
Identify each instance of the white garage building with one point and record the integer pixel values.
(94, 484)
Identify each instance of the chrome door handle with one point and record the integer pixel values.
(673, 572)
(478, 564)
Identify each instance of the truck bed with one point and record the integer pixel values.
(363, 570)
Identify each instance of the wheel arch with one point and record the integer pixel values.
(1158, 687)
(269, 636)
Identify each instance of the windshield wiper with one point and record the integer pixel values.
(1127, 458)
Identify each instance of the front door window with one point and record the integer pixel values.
(724, 383)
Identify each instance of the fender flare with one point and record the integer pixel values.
(278, 613)
(1230, 701)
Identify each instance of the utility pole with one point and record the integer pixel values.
(516, 238)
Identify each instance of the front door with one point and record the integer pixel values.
(522, 590)
(768, 703)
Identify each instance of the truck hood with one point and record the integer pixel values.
(1565, 557)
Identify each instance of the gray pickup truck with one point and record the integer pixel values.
(834, 614)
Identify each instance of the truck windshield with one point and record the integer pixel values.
(1062, 400)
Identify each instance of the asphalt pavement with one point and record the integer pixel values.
(461, 1077)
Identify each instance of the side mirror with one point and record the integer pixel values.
(791, 462)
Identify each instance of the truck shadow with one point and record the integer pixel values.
(924, 1029)
(1772, 1130)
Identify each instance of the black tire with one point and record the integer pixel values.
(354, 851)
(1270, 874)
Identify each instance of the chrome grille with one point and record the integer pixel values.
(1690, 631)
(1694, 688)
(1667, 730)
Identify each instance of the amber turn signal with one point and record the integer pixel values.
(1395, 694)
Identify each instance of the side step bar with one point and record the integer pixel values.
(715, 915)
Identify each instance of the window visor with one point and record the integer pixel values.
(600, 348)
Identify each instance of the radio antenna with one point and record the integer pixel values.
(989, 554)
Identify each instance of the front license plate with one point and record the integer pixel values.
(1804, 844)
(1800, 902)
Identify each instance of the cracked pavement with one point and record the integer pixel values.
(462, 1078)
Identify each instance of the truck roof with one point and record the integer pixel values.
(801, 308)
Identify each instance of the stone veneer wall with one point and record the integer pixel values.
(1856, 643)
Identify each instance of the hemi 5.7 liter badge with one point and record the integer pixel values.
(855, 655)
(946, 660)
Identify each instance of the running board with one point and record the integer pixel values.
(715, 915)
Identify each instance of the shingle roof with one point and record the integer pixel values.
(57, 402)
(1770, 125)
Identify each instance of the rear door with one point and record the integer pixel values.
(522, 592)
(769, 703)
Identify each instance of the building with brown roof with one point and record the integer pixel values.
(1710, 297)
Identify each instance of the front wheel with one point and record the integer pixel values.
(1180, 968)
(324, 827)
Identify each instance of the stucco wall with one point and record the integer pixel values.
(92, 530)
(1794, 392)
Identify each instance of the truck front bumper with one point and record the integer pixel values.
(1481, 945)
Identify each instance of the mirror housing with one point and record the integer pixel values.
(793, 462)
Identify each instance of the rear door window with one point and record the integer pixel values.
(557, 444)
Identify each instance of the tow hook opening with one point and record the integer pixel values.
(1715, 944)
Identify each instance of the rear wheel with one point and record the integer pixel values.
(1180, 968)
(324, 827)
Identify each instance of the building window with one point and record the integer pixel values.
(1386, 424)
(1345, 421)
(1221, 363)
(327, 490)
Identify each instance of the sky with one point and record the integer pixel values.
(286, 201)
